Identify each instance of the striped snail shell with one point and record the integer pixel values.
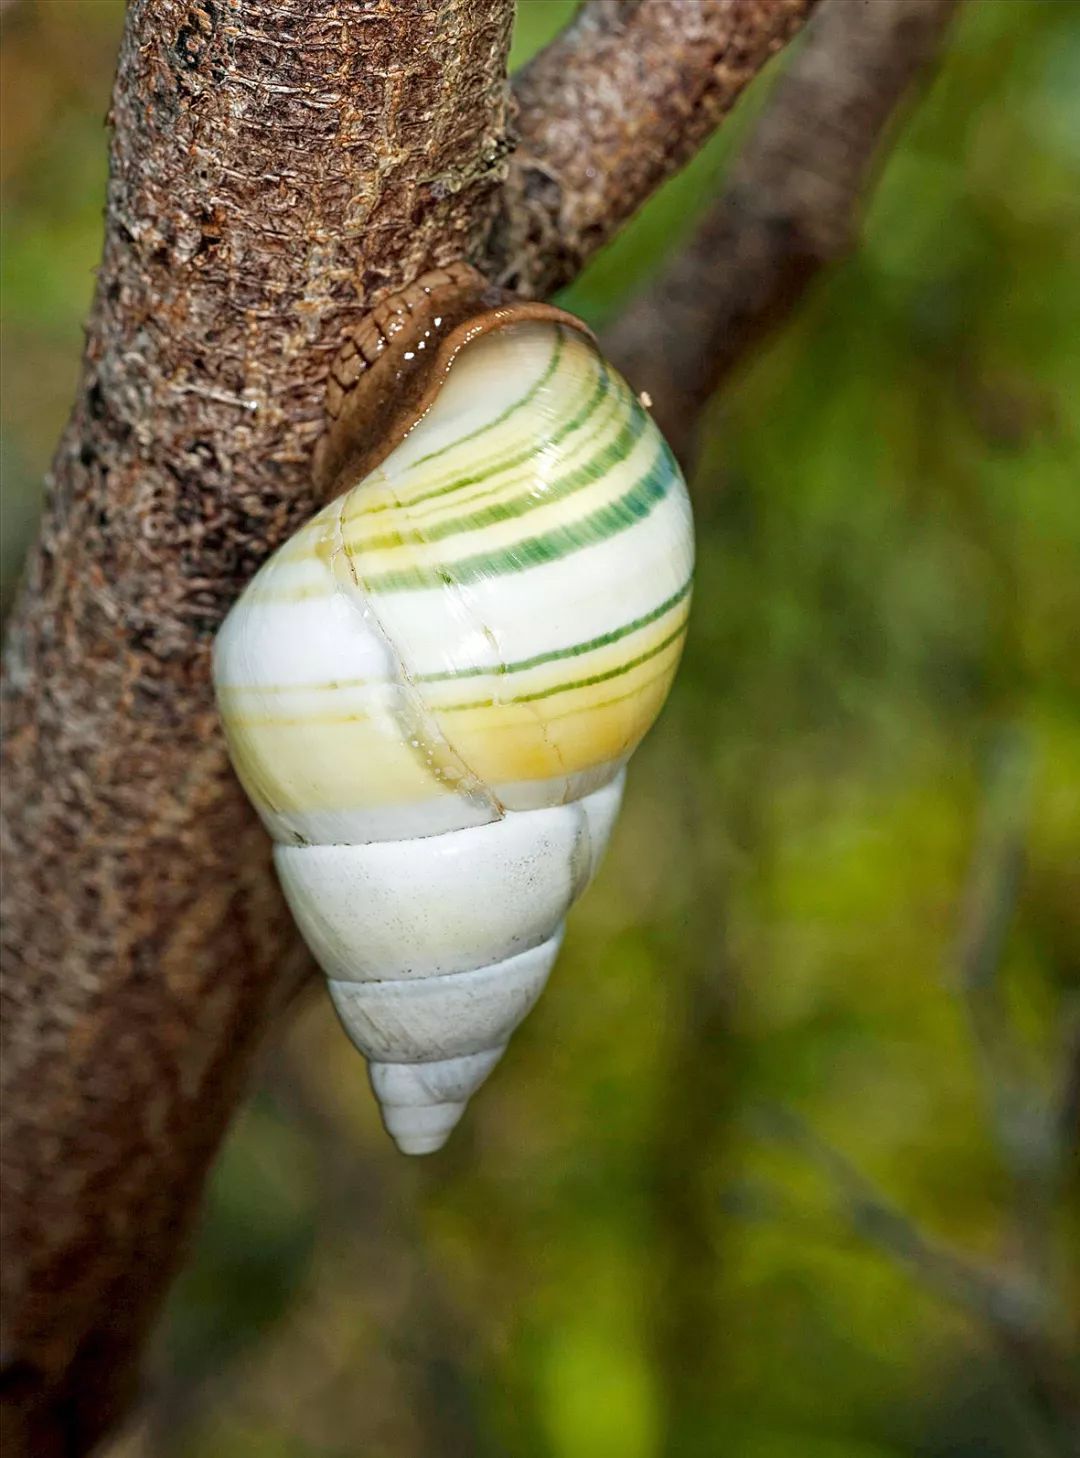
(430, 692)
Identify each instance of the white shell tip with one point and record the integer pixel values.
(421, 1102)
(421, 1130)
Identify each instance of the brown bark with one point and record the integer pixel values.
(271, 168)
(790, 206)
(275, 170)
(609, 110)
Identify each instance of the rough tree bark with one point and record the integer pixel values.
(275, 168)
(269, 167)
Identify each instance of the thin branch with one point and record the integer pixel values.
(611, 108)
(1023, 1115)
(1020, 1313)
(1014, 1306)
(790, 206)
(987, 909)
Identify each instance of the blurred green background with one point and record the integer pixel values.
(782, 1164)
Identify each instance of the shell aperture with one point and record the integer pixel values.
(431, 690)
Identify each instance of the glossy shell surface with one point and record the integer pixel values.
(472, 639)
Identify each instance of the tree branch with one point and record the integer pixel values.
(789, 207)
(272, 166)
(609, 110)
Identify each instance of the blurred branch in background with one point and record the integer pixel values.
(1022, 1316)
(789, 207)
(1030, 1121)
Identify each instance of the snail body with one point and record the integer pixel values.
(430, 692)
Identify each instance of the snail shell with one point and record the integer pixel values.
(431, 691)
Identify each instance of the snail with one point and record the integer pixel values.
(431, 690)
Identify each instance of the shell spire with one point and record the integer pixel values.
(430, 693)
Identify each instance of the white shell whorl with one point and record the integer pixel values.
(436, 948)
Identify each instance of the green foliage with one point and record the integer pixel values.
(615, 1256)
